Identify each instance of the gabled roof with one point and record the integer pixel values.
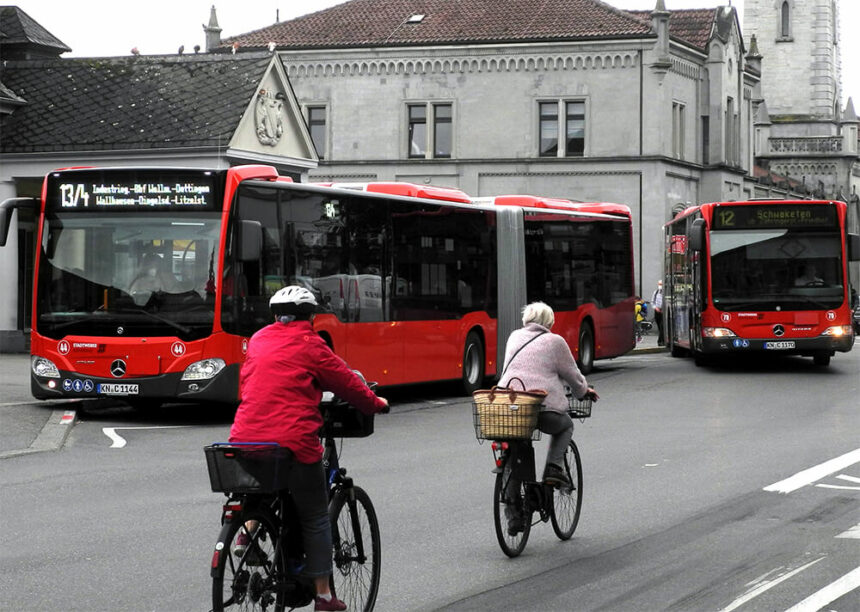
(692, 26)
(18, 28)
(386, 23)
(143, 102)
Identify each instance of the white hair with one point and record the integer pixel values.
(540, 313)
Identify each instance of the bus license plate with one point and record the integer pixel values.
(782, 345)
(118, 389)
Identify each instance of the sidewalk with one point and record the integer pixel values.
(28, 425)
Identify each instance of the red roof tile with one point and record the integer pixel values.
(693, 26)
(378, 23)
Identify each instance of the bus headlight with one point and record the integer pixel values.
(44, 367)
(717, 332)
(837, 330)
(203, 370)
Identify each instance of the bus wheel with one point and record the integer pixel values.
(586, 349)
(473, 363)
(676, 350)
(821, 359)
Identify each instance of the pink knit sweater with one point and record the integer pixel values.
(546, 363)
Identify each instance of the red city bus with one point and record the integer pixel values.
(765, 276)
(150, 281)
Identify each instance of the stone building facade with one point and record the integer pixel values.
(572, 99)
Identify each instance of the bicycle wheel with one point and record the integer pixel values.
(247, 581)
(503, 509)
(357, 549)
(567, 501)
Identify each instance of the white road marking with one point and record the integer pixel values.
(831, 592)
(801, 479)
(765, 586)
(120, 442)
(853, 533)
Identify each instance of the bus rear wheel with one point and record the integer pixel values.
(586, 348)
(473, 363)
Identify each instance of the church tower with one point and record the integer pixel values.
(800, 48)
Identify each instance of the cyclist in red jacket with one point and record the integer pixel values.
(287, 368)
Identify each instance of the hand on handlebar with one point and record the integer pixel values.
(591, 394)
(387, 408)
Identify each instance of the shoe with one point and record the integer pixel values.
(241, 545)
(555, 476)
(329, 604)
(249, 551)
(516, 525)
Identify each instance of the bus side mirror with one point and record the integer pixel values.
(6, 209)
(853, 246)
(697, 235)
(250, 240)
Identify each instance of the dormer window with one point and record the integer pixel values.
(416, 18)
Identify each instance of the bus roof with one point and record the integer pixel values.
(754, 202)
(530, 201)
(411, 190)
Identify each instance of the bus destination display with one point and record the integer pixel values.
(119, 191)
(771, 217)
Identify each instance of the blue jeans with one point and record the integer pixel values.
(309, 489)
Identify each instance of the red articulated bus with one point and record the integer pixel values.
(765, 276)
(150, 281)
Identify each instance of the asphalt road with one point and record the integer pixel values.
(687, 505)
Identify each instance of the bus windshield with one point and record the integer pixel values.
(131, 274)
(776, 269)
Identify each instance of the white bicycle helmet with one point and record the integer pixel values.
(293, 300)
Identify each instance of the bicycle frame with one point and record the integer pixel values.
(518, 456)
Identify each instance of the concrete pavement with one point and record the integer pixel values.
(28, 425)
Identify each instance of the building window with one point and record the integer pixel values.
(678, 130)
(575, 124)
(442, 130)
(417, 130)
(570, 133)
(316, 125)
(435, 141)
(785, 21)
(706, 140)
(548, 129)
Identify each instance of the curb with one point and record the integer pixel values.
(52, 436)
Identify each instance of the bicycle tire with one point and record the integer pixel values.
(247, 583)
(511, 545)
(567, 501)
(355, 577)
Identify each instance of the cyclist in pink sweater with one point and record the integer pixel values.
(542, 360)
(287, 368)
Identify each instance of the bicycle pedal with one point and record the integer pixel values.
(496, 470)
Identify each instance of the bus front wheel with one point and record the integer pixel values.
(473, 363)
(821, 359)
(586, 348)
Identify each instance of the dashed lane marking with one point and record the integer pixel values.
(807, 477)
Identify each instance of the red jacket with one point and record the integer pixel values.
(287, 368)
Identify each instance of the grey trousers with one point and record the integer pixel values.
(560, 426)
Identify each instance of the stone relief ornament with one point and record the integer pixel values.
(269, 117)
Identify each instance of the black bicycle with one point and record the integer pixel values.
(518, 495)
(258, 559)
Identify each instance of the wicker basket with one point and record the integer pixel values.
(505, 421)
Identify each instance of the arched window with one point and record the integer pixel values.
(784, 17)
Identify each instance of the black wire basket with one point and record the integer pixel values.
(262, 468)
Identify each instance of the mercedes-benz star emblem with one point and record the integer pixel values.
(778, 330)
(117, 368)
